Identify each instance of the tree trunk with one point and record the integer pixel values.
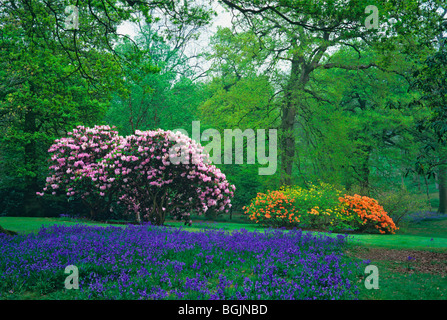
(442, 180)
(364, 183)
(30, 203)
(427, 191)
(436, 182)
(365, 172)
(419, 183)
(287, 143)
(287, 124)
(299, 76)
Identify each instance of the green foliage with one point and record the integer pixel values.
(356, 133)
(431, 80)
(239, 95)
(354, 107)
(399, 204)
(53, 78)
(158, 92)
(44, 92)
(317, 207)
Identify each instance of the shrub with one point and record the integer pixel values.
(151, 174)
(368, 215)
(273, 209)
(292, 206)
(318, 206)
(70, 156)
(161, 172)
(399, 204)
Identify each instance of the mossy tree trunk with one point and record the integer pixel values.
(442, 180)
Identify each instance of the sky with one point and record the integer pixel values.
(223, 19)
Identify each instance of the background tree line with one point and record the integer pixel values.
(363, 109)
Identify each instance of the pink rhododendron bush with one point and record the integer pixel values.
(152, 174)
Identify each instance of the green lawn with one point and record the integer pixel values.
(28, 224)
(428, 228)
(399, 241)
(397, 285)
(429, 234)
(227, 226)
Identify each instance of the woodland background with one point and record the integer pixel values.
(362, 109)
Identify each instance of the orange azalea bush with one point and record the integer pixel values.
(273, 209)
(319, 207)
(368, 214)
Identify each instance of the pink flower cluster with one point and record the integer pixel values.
(151, 173)
(82, 148)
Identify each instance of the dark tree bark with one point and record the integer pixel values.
(293, 107)
(30, 202)
(365, 171)
(442, 176)
(287, 123)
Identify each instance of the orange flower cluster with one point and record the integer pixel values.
(273, 208)
(368, 213)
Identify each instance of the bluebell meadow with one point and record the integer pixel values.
(150, 262)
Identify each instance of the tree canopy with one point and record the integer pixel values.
(355, 89)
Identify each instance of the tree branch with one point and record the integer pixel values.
(347, 67)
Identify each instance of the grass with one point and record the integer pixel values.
(426, 228)
(24, 225)
(396, 285)
(427, 235)
(400, 241)
(397, 279)
(227, 226)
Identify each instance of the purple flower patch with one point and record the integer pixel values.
(149, 262)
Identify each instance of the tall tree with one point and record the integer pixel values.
(58, 69)
(160, 87)
(41, 95)
(303, 33)
(239, 95)
(430, 80)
